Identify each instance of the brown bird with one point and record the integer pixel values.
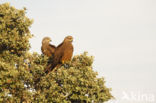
(47, 49)
(63, 52)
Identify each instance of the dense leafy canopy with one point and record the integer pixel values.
(22, 77)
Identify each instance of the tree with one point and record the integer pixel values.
(22, 77)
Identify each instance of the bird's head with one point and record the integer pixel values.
(68, 39)
(46, 40)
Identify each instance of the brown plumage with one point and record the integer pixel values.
(47, 49)
(63, 53)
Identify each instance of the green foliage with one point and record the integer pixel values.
(22, 77)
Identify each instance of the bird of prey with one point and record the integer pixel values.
(47, 49)
(63, 52)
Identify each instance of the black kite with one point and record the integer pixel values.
(47, 49)
(63, 53)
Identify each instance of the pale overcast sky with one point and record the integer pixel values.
(120, 34)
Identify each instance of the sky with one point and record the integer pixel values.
(120, 34)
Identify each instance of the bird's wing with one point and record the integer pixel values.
(57, 56)
(52, 48)
(68, 52)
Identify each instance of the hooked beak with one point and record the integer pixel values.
(71, 40)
